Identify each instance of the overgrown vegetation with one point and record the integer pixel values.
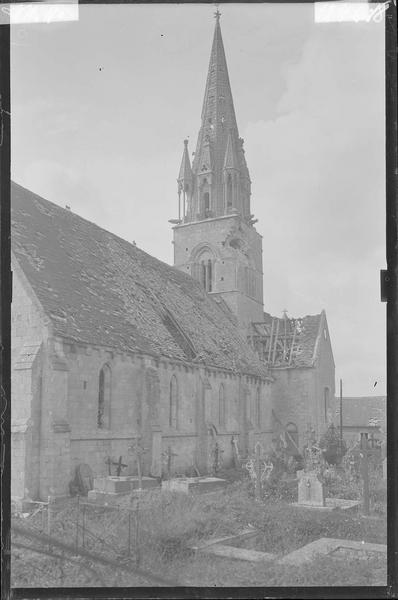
(163, 527)
(324, 571)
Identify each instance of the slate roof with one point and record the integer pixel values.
(363, 411)
(99, 289)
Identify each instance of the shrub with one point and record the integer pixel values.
(333, 447)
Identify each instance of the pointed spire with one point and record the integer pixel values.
(185, 169)
(218, 146)
(218, 86)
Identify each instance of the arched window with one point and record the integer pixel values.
(104, 398)
(258, 408)
(203, 274)
(206, 197)
(221, 406)
(173, 409)
(203, 267)
(292, 439)
(229, 191)
(206, 274)
(209, 279)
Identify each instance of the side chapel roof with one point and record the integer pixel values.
(291, 342)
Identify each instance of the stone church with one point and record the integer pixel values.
(111, 345)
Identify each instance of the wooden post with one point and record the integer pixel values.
(77, 521)
(139, 471)
(83, 524)
(257, 469)
(365, 472)
(49, 516)
(129, 539)
(137, 541)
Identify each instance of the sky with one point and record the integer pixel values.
(101, 106)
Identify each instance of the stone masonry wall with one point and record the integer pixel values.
(230, 263)
(298, 393)
(129, 415)
(29, 330)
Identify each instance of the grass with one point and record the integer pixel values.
(169, 523)
(324, 571)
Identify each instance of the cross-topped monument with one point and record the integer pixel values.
(167, 459)
(138, 450)
(118, 464)
(260, 468)
(217, 458)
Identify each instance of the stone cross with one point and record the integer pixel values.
(217, 451)
(312, 457)
(235, 449)
(109, 462)
(267, 470)
(118, 464)
(256, 468)
(168, 456)
(138, 450)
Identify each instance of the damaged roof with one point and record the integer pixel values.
(289, 342)
(99, 289)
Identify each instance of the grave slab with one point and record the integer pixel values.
(232, 552)
(110, 489)
(105, 497)
(331, 504)
(196, 485)
(111, 484)
(229, 539)
(333, 546)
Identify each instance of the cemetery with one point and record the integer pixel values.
(267, 521)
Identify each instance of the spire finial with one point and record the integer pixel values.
(217, 14)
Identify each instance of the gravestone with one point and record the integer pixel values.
(84, 479)
(310, 490)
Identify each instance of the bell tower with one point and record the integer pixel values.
(214, 236)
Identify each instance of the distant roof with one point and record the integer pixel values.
(363, 411)
(99, 289)
(289, 342)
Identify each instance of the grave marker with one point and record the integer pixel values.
(167, 457)
(259, 468)
(310, 490)
(138, 450)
